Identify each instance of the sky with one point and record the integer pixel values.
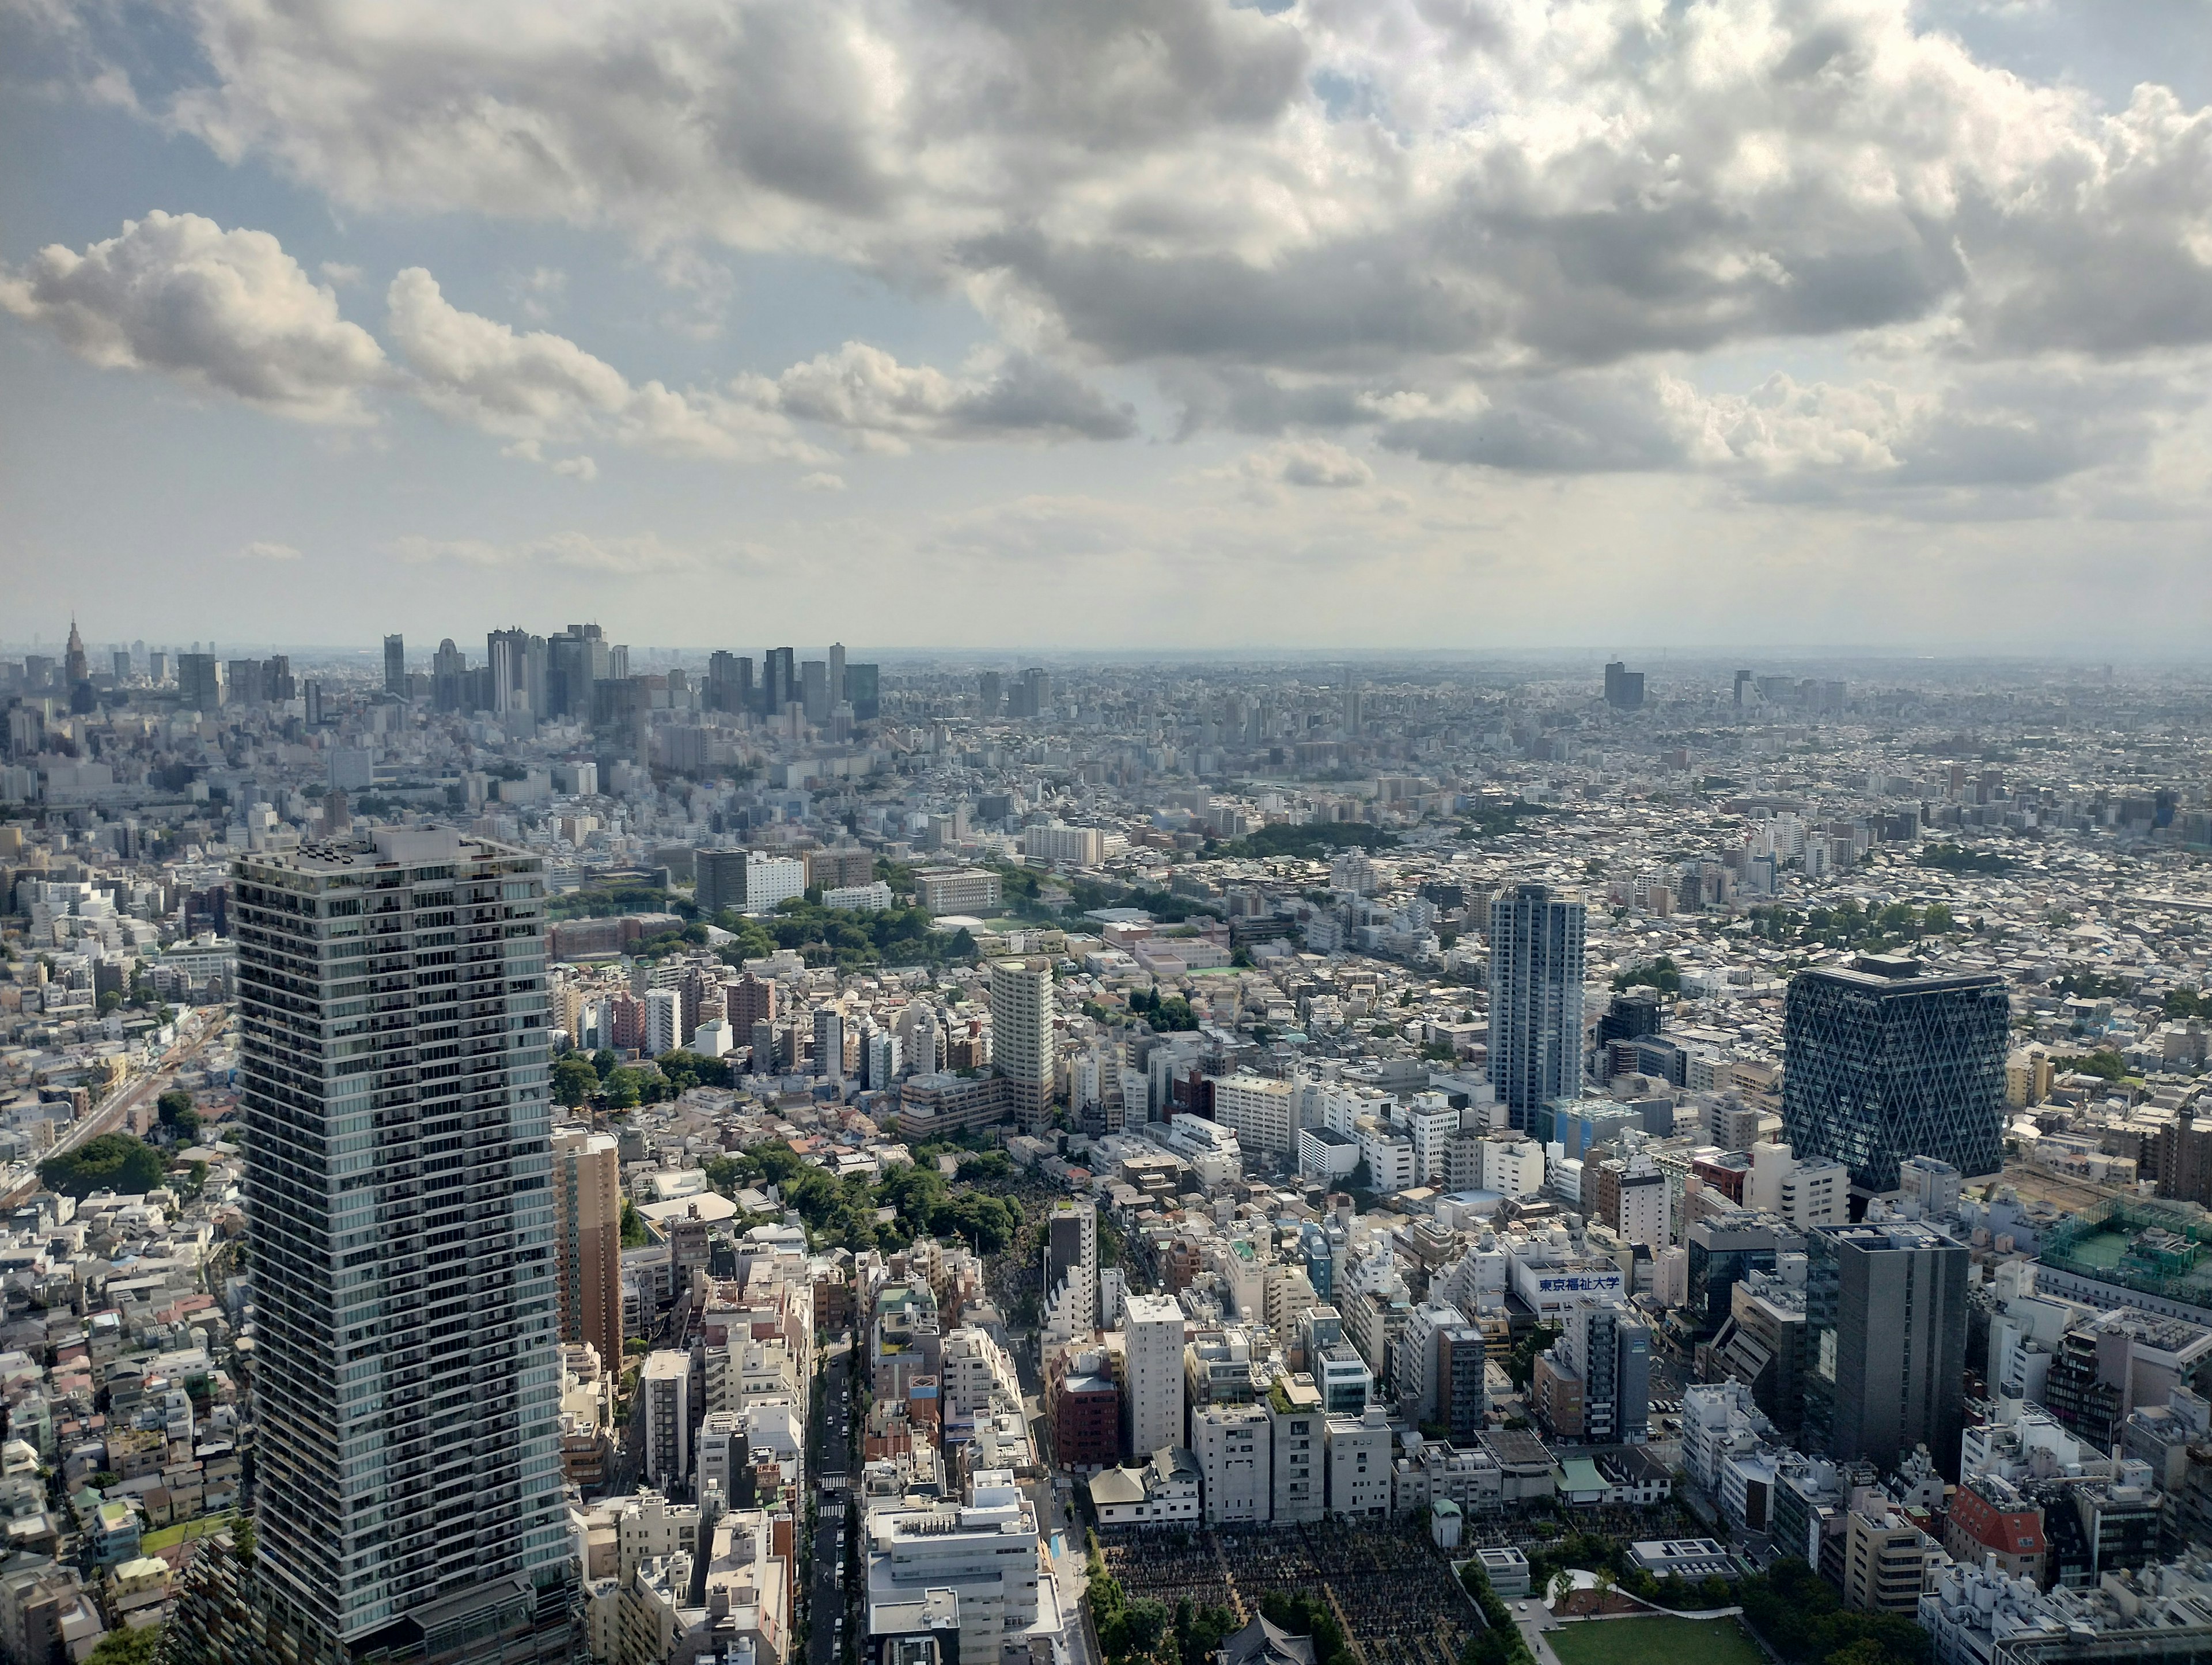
(1348, 324)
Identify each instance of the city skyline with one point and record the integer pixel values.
(1304, 315)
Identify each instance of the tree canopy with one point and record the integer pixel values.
(122, 1162)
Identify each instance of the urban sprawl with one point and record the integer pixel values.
(584, 1153)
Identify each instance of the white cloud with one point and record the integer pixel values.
(225, 310)
(260, 551)
(864, 391)
(577, 468)
(575, 551)
(1315, 463)
(821, 481)
(340, 274)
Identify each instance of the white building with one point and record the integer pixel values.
(1804, 1192)
(1164, 1488)
(1359, 1465)
(1512, 1165)
(1389, 1159)
(1071, 1269)
(1152, 1328)
(1079, 847)
(772, 878)
(663, 1021)
(1261, 1111)
(1432, 1122)
(1022, 1047)
(984, 1550)
(1236, 1460)
(871, 898)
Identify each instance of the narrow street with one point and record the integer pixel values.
(834, 1466)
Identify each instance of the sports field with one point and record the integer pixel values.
(1655, 1641)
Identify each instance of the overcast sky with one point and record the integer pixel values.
(1109, 323)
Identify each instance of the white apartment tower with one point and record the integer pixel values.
(393, 1022)
(1022, 1048)
(1152, 1325)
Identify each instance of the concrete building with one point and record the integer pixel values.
(957, 890)
(587, 1241)
(1152, 1328)
(1885, 1341)
(665, 1388)
(1296, 1437)
(1360, 1475)
(1022, 1051)
(984, 1550)
(1261, 1111)
(1236, 1460)
(1071, 1269)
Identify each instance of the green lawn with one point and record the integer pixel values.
(1656, 1641)
(177, 1533)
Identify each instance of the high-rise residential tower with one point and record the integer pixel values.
(587, 1240)
(1885, 1341)
(1536, 999)
(392, 1017)
(1022, 1048)
(1889, 1059)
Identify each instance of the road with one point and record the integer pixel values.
(837, 1457)
(109, 1114)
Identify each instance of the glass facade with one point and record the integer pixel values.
(1885, 1063)
(1536, 999)
(392, 1017)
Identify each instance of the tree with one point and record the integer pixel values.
(633, 1226)
(575, 1081)
(127, 1647)
(122, 1162)
(177, 1113)
(1562, 1586)
(605, 1062)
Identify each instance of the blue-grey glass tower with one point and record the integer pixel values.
(1535, 998)
(392, 1013)
(1889, 1059)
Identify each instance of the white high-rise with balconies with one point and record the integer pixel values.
(392, 1040)
(1152, 1332)
(1021, 1048)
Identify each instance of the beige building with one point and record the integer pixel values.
(587, 1241)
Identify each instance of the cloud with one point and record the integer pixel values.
(223, 310)
(340, 274)
(259, 551)
(577, 468)
(821, 481)
(1361, 183)
(574, 551)
(864, 391)
(1313, 462)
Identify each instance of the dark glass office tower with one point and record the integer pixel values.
(1885, 1342)
(1535, 998)
(1890, 1060)
(391, 1006)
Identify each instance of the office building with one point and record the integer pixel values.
(1885, 1342)
(814, 691)
(1071, 1269)
(1889, 1059)
(199, 683)
(663, 1021)
(1358, 1448)
(862, 683)
(778, 682)
(1236, 1461)
(984, 1551)
(1022, 1047)
(401, 1230)
(395, 666)
(1624, 687)
(587, 1241)
(1535, 1000)
(1151, 1402)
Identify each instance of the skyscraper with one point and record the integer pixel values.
(778, 682)
(986, 694)
(1624, 687)
(1021, 1037)
(1536, 999)
(392, 1013)
(395, 666)
(837, 673)
(1885, 1341)
(1887, 1060)
(814, 691)
(77, 664)
(587, 1240)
